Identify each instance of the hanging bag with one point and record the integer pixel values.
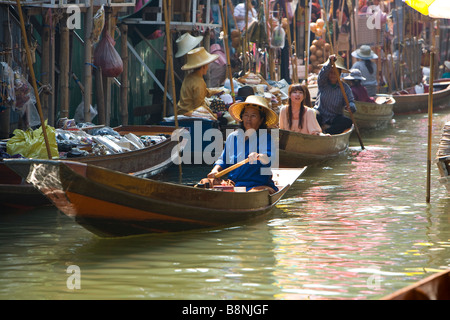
(106, 56)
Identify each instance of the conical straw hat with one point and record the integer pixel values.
(259, 101)
(186, 43)
(198, 57)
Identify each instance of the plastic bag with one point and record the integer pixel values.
(79, 112)
(106, 57)
(278, 37)
(31, 143)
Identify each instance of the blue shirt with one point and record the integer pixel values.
(330, 102)
(237, 148)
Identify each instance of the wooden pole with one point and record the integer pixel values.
(430, 124)
(225, 41)
(167, 7)
(45, 63)
(124, 76)
(33, 78)
(88, 62)
(64, 63)
(101, 117)
(167, 18)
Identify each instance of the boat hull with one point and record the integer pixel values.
(443, 157)
(434, 287)
(418, 103)
(299, 150)
(144, 162)
(112, 204)
(372, 115)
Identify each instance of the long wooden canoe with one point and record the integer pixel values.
(443, 157)
(407, 101)
(434, 287)
(299, 150)
(147, 161)
(114, 204)
(373, 115)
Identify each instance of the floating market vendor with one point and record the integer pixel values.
(194, 90)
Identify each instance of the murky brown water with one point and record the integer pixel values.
(357, 227)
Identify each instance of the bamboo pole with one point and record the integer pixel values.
(88, 62)
(101, 117)
(225, 41)
(64, 63)
(33, 78)
(430, 125)
(124, 76)
(167, 7)
(307, 34)
(45, 63)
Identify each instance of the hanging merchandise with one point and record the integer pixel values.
(278, 37)
(7, 95)
(98, 25)
(107, 57)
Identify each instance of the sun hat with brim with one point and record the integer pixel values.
(197, 58)
(339, 63)
(355, 74)
(365, 53)
(185, 43)
(253, 100)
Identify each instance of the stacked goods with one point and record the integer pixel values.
(319, 52)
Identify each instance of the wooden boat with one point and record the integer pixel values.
(114, 204)
(443, 157)
(147, 161)
(407, 101)
(299, 150)
(373, 115)
(435, 287)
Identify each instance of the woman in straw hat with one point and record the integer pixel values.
(193, 89)
(298, 115)
(359, 91)
(330, 102)
(250, 142)
(368, 68)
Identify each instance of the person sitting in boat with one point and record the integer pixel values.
(368, 68)
(446, 74)
(252, 142)
(354, 79)
(330, 101)
(193, 89)
(298, 115)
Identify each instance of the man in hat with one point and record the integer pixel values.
(368, 68)
(330, 102)
(194, 90)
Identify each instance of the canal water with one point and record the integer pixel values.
(357, 227)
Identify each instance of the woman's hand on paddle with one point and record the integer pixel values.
(214, 171)
(252, 157)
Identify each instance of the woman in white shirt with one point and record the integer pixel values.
(298, 115)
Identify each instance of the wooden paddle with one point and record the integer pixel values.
(231, 168)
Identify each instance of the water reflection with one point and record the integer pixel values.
(356, 227)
